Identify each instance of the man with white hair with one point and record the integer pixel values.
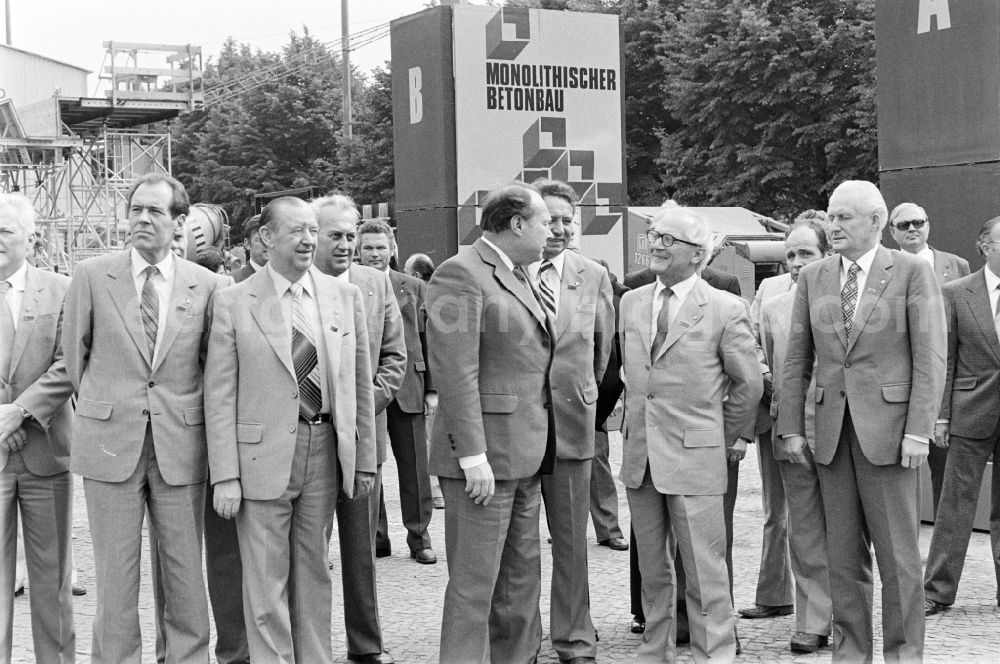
(871, 321)
(910, 227)
(35, 425)
(692, 385)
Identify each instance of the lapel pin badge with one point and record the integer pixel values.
(333, 329)
(574, 286)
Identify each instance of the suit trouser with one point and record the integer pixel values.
(774, 579)
(693, 525)
(635, 574)
(566, 495)
(287, 592)
(937, 461)
(491, 611)
(603, 492)
(807, 543)
(357, 520)
(46, 509)
(869, 505)
(224, 572)
(115, 511)
(953, 527)
(409, 447)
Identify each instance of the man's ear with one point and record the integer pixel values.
(517, 224)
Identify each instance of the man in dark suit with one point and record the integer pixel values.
(357, 519)
(291, 420)
(969, 422)
(729, 283)
(256, 256)
(405, 414)
(491, 354)
(576, 294)
(869, 324)
(910, 227)
(135, 335)
(35, 426)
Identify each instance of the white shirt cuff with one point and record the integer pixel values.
(943, 421)
(920, 439)
(467, 462)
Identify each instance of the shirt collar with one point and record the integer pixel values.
(927, 254)
(281, 284)
(166, 266)
(864, 262)
(992, 280)
(680, 289)
(557, 262)
(345, 276)
(255, 266)
(18, 279)
(504, 257)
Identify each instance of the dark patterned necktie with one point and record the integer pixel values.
(6, 331)
(662, 320)
(304, 358)
(849, 297)
(150, 308)
(545, 293)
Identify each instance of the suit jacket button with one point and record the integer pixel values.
(847, 365)
(152, 384)
(842, 394)
(145, 412)
(295, 395)
(291, 429)
(649, 397)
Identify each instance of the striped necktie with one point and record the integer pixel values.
(849, 297)
(545, 292)
(6, 331)
(662, 320)
(304, 358)
(150, 308)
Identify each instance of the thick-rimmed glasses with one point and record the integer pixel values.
(668, 239)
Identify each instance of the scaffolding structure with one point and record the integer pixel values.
(77, 175)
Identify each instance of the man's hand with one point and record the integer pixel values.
(228, 495)
(430, 404)
(914, 453)
(794, 447)
(941, 435)
(479, 483)
(768, 388)
(736, 453)
(363, 484)
(14, 441)
(10, 421)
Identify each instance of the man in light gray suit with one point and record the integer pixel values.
(872, 323)
(35, 427)
(576, 293)
(357, 519)
(298, 427)
(692, 384)
(969, 422)
(910, 227)
(135, 332)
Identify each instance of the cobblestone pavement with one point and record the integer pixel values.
(410, 595)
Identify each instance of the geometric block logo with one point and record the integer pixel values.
(518, 29)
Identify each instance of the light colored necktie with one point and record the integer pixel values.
(6, 331)
(545, 293)
(150, 308)
(849, 297)
(304, 358)
(662, 320)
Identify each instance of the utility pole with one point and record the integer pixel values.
(6, 11)
(345, 58)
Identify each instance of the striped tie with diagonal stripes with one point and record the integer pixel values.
(150, 308)
(849, 297)
(304, 358)
(545, 292)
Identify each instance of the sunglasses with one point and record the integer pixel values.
(906, 225)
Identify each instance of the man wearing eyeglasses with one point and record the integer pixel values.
(692, 384)
(969, 421)
(910, 228)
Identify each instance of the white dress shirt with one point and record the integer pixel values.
(311, 308)
(252, 264)
(163, 284)
(927, 254)
(681, 290)
(992, 283)
(552, 277)
(15, 294)
(865, 263)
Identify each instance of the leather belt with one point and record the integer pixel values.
(321, 418)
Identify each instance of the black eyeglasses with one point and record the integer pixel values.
(906, 225)
(668, 239)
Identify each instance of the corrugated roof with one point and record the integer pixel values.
(44, 57)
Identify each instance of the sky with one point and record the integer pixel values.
(73, 31)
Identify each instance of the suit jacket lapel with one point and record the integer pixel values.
(177, 313)
(265, 308)
(830, 287)
(121, 288)
(876, 283)
(691, 311)
(29, 307)
(329, 318)
(979, 303)
(506, 277)
(645, 317)
(569, 293)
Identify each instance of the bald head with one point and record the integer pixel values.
(857, 215)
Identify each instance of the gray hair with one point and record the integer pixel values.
(899, 209)
(338, 203)
(19, 207)
(699, 232)
(869, 197)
